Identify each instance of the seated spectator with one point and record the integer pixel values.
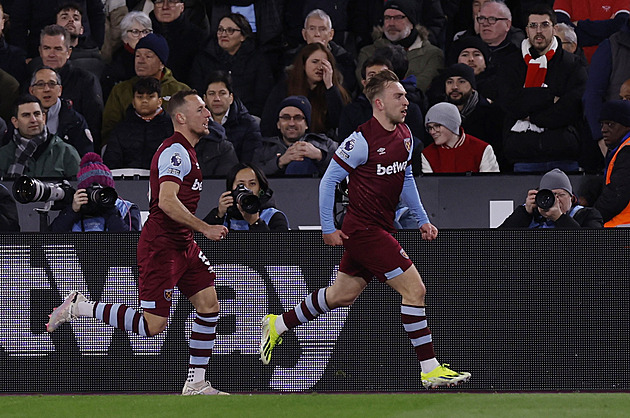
(233, 216)
(32, 150)
(184, 38)
(10, 89)
(234, 51)
(85, 215)
(563, 213)
(133, 141)
(29, 17)
(61, 119)
(216, 155)
(614, 201)
(81, 87)
(360, 110)
(133, 27)
(9, 219)
(473, 52)
(400, 27)
(569, 40)
(453, 151)
(241, 128)
(151, 54)
(295, 151)
(314, 74)
(115, 11)
(318, 28)
(624, 90)
(12, 58)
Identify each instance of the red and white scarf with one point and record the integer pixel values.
(537, 68)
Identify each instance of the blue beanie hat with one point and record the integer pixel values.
(301, 103)
(155, 43)
(616, 111)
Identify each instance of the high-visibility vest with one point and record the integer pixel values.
(623, 217)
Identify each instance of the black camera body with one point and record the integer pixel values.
(100, 199)
(545, 199)
(250, 203)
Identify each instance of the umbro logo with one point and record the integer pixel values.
(381, 151)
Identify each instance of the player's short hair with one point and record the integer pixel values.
(178, 100)
(379, 82)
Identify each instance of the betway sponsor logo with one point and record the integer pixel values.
(397, 167)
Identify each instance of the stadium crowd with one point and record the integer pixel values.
(515, 86)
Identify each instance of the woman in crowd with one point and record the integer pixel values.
(248, 180)
(313, 74)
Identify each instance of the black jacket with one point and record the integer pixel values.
(243, 131)
(252, 78)
(73, 129)
(215, 153)
(583, 218)
(133, 141)
(121, 68)
(13, 61)
(9, 219)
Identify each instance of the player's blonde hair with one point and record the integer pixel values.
(379, 82)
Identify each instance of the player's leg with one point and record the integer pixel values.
(343, 292)
(410, 286)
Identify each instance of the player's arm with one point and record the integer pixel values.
(411, 198)
(175, 209)
(334, 174)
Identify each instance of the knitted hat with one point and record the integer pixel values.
(461, 70)
(616, 111)
(445, 114)
(468, 42)
(93, 170)
(301, 103)
(408, 7)
(155, 43)
(556, 179)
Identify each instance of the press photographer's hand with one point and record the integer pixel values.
(530, 201)
(79, 199)
(225, 201)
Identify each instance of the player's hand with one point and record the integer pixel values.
(429, 232)
(530, 201)
(225, 201)
(335, 239)
(215, 232)
(79, 199)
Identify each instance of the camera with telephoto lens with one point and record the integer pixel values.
(250, 203)
(545, 199)
(100, 199)
(27, 190)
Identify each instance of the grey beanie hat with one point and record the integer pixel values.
(556, 179)
(445, 114)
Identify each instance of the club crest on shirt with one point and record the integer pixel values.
(176, 159)
(407, 144)
(404, 254)
(168, 294)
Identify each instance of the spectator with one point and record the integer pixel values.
(32, 150)
(453, 151)
(184, 38)
(569, 39)
(9, 219)
(540, 92)
(593, 20)
(61, 119)
(318, 28)
(474, 52)
(85, 215)
(614, 201)
(609, 69)
(479, 118)
(151, 54)
(12, 58)
(241, 128)
(624, 90)
(233, 216)
(235, 52)
(81, 87)
(10, 89)
(295, 151)
(564, 213)
(314, 74)
(133, 141)
(216, 155)
(115, 11)
(133, 27)
(400, 28)
(29, 17)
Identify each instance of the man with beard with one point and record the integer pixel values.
(479, 116)
(400, 28)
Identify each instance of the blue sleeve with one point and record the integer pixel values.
(597, 85)
(411, 198)
(174, 161)
(353, 151)
(334, 174)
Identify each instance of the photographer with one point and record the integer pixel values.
(562, 209)
(249, 182)
(86, 213)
